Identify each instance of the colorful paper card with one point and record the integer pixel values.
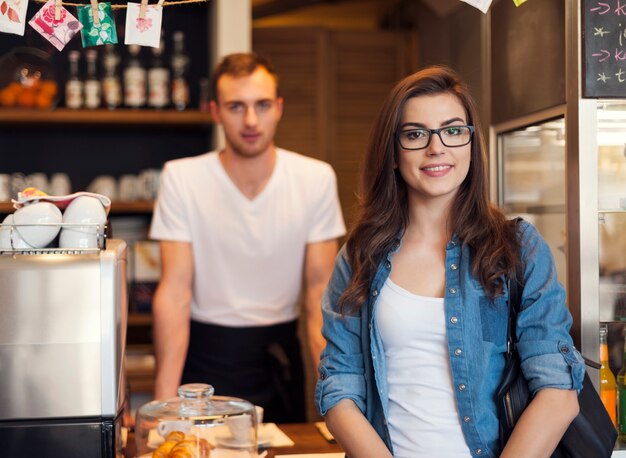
(93, 34)
(13, 16)
(58, 32)
(519, 2)
(144, 31)
(482, 5)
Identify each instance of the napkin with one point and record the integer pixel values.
(276, 437)
(323, 429)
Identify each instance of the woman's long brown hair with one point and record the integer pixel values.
(383, 206)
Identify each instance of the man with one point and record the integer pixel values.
(240, 229)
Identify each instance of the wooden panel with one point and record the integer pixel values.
(333, 82)
(528, 58)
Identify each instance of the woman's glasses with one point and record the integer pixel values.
(420, 137)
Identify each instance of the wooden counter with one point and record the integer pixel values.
(305, 435)
(307, 439)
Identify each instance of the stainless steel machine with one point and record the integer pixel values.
(62, 337)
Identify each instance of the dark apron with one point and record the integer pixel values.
(262, 364)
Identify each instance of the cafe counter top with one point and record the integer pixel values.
(306, 438)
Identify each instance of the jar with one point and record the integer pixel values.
(205, 425)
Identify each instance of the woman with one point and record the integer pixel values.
(415, 312)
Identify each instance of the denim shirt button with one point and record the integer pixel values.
(466, 419)
(479, 451)
(388, 265)
(453, 267)
(458, 352)
(454, 320)
(462, 387)
(375, 293)
(322, 376)
(452, 290)
(564, 350)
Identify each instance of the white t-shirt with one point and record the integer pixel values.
(248, 254)
(423, 417)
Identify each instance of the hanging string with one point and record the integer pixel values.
(115, 7)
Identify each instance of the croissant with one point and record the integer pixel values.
(164, 449)
(193, 448)
(176, 436)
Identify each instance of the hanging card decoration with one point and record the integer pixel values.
(98, 24)
(55, 24)
(143, 29)
(519, 2)
(482, 5)
(13, 16)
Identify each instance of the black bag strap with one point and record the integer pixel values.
(515, 286)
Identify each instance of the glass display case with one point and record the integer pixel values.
(531, 177)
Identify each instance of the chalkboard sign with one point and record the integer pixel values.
(604, 48)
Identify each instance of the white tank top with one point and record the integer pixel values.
(423, 417)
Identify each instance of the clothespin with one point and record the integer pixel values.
(94, 12)
(142, 9)
(57, 10)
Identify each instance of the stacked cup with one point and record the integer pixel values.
(83, 223)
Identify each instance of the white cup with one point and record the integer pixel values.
(148, 184)
(129, 187)
(5, 187)
(259, 414)
(10, 238)
(38, 223)
(60, 184)
(105, 185)
(38, 180)
(85, 210)
(240, 427)
(165, 427)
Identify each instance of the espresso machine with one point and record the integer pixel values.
(63, 316)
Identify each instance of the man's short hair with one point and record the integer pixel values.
(240, 64)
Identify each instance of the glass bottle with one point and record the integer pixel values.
(134, 80)
(621, 397)
(93, 94)
(111, 86)
(608, 387)
(74, 84)
(180, 62)
(158, 79)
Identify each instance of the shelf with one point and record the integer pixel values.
(140, 206)
(139, 319)
(533, 208)
(121, 116)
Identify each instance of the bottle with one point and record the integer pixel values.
(203, 100)
(134, 80)
(608, 387)
(158, 80)
(93, 92)
(74, 85)
(180, 62)
(111, 86)
(621, 398)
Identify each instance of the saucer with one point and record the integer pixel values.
(230, 442)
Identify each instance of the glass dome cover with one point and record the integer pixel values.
(199, 422)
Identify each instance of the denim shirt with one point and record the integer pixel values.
(353, 363)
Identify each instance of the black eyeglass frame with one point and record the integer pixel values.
(438, 132)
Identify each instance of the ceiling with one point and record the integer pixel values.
(267, 8)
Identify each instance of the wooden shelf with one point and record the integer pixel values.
(121, 116)
(139, 319)
(139, 206)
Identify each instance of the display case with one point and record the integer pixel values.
(531, 176)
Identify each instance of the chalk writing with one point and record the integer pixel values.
(604, 43)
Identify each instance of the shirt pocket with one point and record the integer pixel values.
(493, 316)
